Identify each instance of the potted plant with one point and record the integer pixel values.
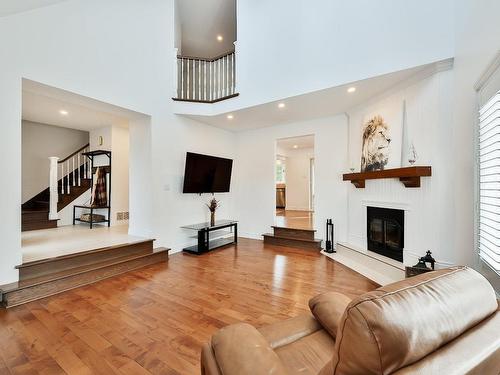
(213, 206)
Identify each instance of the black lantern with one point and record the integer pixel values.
(329, 246)
(422, 262)
(429, 259)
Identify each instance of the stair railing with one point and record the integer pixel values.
(65, 174)
(205, 80)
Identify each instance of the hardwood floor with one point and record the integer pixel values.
(154, 320)
(294, 219)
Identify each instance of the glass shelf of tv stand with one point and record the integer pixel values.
(209, 236)
(206, 225)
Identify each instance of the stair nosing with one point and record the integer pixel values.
(100, 265)
(315, 240)
(82, 253)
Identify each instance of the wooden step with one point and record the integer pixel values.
(44, 286)
(61, 263)
(36, 219)
(38, 225)
(306, 234)
(300, 243)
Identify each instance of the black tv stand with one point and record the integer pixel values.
(205, 244)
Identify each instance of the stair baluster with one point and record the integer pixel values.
(79, 169)
(188, 89)
(86, 173)
(199, 80)
(205, 80)
(182, 79)
(68, 191)
(62, 181)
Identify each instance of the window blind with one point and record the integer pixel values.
(489, 183)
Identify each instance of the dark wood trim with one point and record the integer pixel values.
(207, 59)
(409, 176)
(206, 101)
(73, 154)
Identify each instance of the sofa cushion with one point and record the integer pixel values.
(397, 325)
(285, 332)
(308, 355)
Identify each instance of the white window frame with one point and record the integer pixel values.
(486, 88)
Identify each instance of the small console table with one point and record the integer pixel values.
(205, 243)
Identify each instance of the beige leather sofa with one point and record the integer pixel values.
(443, 322)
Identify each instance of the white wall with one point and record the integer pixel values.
(255, 175)
(118, 52)
(39, 142)
(298, 178)
(430, 209)
(340, 41)
(291, 47)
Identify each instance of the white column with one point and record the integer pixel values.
(54, 196)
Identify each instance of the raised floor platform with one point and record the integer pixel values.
(49, 243)
(65, 258)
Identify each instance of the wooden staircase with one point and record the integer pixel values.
(293, 237)
(47, 277)
(35, 212)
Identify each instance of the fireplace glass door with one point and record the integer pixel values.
(385, 232)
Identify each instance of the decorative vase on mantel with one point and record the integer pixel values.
(412, 155)
(212, 206)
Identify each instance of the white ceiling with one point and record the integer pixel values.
(42, 104)
(201, 22)
(8, 7)
(317, 104)
(306, 141)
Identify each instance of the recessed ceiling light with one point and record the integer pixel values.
(295, 146)
(63, 112)
(350, 90)
(230, 117)
(220, 38)
(281, 105)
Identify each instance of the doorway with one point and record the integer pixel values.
(294, 182)
(67, 127)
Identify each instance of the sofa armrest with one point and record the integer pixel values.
(328, 309)
(240, 349)
(287, 331)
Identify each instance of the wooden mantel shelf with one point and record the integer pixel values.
(409, 176)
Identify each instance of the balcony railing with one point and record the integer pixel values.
(206, 80)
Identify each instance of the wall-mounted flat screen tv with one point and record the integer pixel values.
(207, 174)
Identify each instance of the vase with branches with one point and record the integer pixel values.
(213, 205)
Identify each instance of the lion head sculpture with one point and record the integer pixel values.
(376, 141)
